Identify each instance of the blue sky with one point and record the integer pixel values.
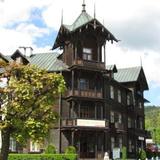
(135, 22)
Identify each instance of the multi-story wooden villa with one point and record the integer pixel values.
(103, 107)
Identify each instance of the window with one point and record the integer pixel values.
(128, 99)
(12, 146)
(112, 117)
(129, 122)
(87, 54)
(119, 118)
(84, 112)
(34, 146)
(140, 124)
(112, 92)
(140, 105)
(112, 142)
(130, 146)
(83, 84)
(119, 96)
(120, 143)
(19, 59)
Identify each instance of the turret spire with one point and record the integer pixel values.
(62, 17)
(83, 6)
(94, 10)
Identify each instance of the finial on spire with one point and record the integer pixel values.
(94, 10)
(62, 17)
(141, 64)
(83, 6)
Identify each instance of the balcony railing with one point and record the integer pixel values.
(90, 64)
(84, 123)
(84, 93)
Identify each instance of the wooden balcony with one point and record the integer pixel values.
(90, 64)
(85, 123)
(84, 93)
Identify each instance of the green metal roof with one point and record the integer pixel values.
(82, 19)
(112, 68)
(127, 74)
(48, 61)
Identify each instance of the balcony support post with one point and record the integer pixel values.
(72, 82)
(79, 109)
(75, 51)
(95, 110)
(104, 47)
(98, 52)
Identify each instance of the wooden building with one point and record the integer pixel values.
(103, 107)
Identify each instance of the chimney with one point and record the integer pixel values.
(27, 51)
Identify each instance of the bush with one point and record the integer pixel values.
(42, 157)
(124, 153)
(70, 150)
(51, 149)
(142, 155)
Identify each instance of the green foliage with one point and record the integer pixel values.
(124, 153)
(28, 102)
(42, 157)
(70, 150)
(142, 154)
(50, 149)
(152, 122)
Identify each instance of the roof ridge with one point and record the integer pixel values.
(130, 67)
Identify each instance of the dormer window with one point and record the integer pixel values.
(87, 53)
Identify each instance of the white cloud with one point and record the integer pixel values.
(23, 35)
(15, 11)
(124, 57)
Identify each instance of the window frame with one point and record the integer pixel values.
(119, 94)
(87, 54)
(111, 92)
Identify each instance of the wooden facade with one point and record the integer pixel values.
(98, 113)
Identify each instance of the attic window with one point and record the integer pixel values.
(19, 59)
(87, 53)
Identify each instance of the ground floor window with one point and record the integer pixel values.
(12, 146)
(112, 142)
(34, 146)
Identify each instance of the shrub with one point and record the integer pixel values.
(42, 157)
(70, 150)
(51, 149)
(124, 153)
(142, 155)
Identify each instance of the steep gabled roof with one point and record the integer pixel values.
(132, 74)
(127, 74)
(3, 57)
(48, 61)
(82, 19)
(111, 68)
(17, 54)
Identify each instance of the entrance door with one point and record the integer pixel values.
(87, 145)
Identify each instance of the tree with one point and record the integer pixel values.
(152, 122)
(27, 103)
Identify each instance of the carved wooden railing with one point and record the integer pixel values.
(84, 93)
(90, 64)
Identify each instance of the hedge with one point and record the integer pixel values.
(42, 157)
